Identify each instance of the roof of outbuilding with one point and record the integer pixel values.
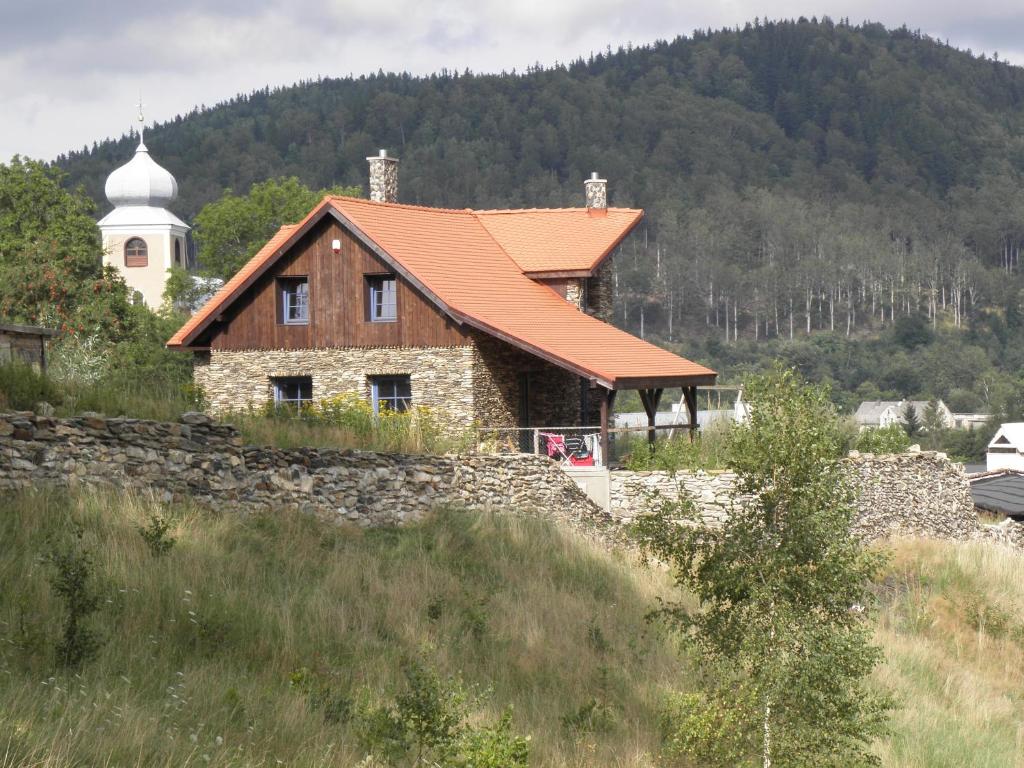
(999, 492)
(459, 263)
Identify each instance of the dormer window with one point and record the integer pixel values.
(294, 300)
(382, 295)
(136, 254)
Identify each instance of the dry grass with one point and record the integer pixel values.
(200, 646)
(952, 627)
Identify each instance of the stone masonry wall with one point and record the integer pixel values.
(206, 461)
(600, 291)
(554, 392)
(441, 377)
(908, 494)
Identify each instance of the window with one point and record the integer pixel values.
(292, 391)
(177, 252)
(391, 393)
(383, 298)
(294, 305)
(135, 253)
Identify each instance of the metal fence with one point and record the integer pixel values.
(579, 446)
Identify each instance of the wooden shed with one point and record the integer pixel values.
(26, 343)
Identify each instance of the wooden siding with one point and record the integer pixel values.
(337, 303)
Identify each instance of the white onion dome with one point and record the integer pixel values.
(141, 181)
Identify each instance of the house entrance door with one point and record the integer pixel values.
(525, 438)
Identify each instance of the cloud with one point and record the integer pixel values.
(73, 69)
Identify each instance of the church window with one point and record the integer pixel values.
(135, 253)
(177, 252)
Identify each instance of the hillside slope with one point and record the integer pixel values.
(251, 641)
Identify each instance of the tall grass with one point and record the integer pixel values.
(247, 641)
(201, 648)
(952, 627)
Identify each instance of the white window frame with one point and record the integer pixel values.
(383, 298)
(278, 383)
(295, 300)
(398, 403)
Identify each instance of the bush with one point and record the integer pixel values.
(891, 439)
(73, 571)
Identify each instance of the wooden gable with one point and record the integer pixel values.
(337, 303)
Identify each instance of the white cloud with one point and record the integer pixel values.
(72, 71)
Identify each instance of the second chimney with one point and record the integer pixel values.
(383, 177)
(596, 190)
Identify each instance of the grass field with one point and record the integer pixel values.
(250, 642)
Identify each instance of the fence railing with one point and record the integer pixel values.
(560, 443)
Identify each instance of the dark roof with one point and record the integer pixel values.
(1003, 492)
(28, 330)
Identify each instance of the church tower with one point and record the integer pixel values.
(141, 238)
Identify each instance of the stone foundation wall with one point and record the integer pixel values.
(441, 377)
(908, 494)
(200, 459)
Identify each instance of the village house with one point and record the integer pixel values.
(495, 318)
(884, 413)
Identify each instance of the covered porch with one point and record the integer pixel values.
(592, 438)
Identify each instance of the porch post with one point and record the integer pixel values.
(651, 398)
(607, 401)
(690, 394)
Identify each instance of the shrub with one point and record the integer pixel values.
(73, 570)
(155, 535)
(426, 725)
(891, 439)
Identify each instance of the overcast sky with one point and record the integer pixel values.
(72, 70)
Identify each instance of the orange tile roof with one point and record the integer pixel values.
(456, 259)
(560, 239)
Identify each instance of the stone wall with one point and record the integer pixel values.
(600, 292)
(554, 393)
(909, 494)
(206, 461)
(442, 377)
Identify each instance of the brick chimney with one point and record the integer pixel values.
(596, 190)
(383, 177)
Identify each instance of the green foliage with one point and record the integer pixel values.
(425, 726)
(21, 387)
(71, 581)
(348, 420)
(678, 453)
(891, 439)
(230, 231)
(911, 421)
(50, 256)
(155, 534)
(781, 589)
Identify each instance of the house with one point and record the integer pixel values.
(1006, 448)
(884, 413)
(494, 318)
(26, 343)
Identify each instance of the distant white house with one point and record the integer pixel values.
(1006, 449)
(884, 413)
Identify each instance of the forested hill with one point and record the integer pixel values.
(798, 176)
